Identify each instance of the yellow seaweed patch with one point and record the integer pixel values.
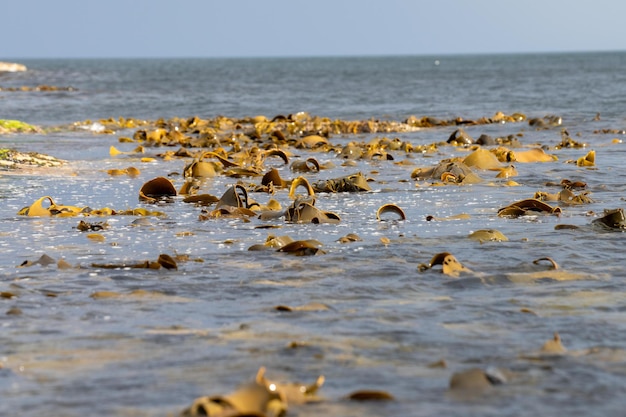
(38, 210)
(488, 235)
(533, 155)
(96, 237)
(588, 160)
(482, 159)
(554, 346)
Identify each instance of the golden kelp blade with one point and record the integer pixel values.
(300, 181)
(450, 265)
(309, 165)
(528, 206)
(488, 235)
(588, 160)
(302, 248)
(37, 209)
(554, 345)
(235, 196)
(272, 177)
(157, 188)
(533, 155)
(482, 159)
(390, 208)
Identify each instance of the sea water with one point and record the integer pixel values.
(207, 327)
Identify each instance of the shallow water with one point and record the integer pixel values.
(208, 327)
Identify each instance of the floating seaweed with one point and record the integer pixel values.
(528, 207)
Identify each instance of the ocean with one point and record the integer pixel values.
(94, 340)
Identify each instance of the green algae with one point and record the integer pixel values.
(16, 126)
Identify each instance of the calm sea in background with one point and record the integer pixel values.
(209, 326)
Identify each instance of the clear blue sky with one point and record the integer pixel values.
(232, 28)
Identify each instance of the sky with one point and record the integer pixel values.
(288, 28)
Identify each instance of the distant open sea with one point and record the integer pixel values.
(208, 326)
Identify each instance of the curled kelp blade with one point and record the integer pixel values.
(305, 212)
(488, 235)
(390, 208)
(308, 165)
(235, 196)
(303, 248)
(300, 182)
(277, 152)
(272, 178)
(450, 265)
(37, 209)
(157, 189)
(528, 206)
(588, 160)
(612, 219)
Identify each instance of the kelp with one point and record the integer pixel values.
(476, 380)
(488, 235)
(260, 397)
(37, 209)
(449, 264)
(350, 183)
(554, 346)
(157, 189)
(163, 261)
(303, 211)
(390, 208)
(612, 219)
(448, 171)
(565, 196)
(530, 206)
(589, 160)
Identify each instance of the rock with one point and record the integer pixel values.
(11, 159)
(11, 67)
